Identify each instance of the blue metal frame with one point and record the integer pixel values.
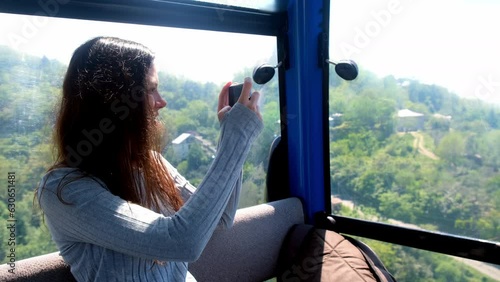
(172, 13)
(305, 115)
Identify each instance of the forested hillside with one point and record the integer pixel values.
(444, 176)
(453, 187)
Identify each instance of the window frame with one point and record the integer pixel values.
(171, 13)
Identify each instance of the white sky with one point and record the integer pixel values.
(453, 43)
(199, 55)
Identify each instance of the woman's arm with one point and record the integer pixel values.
(223, 107)
(96, 216)
(187, 189)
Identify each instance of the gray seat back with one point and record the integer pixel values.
(249, 251)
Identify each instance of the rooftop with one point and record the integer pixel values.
(408, 113)
(181, 138)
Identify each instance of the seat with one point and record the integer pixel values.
(249, 251)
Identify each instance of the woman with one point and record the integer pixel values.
(116, 209)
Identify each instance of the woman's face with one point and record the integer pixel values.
(155, 101)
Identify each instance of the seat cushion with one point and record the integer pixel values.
(249, 251)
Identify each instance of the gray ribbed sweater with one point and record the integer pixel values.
(104, 238)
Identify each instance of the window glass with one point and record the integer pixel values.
(414, 139)
(193, 66)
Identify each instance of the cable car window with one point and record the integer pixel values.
(414, 138)
(193, 66)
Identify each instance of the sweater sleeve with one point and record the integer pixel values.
(96, 216)
(186, 189)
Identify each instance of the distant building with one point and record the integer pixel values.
(180, 145)
(335, 119)
(183, 142)
(440, 122)
(410, 121)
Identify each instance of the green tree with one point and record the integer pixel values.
(452, 148)
(489, 149)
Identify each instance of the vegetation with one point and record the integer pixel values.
(454, 186)
(449, 181)
(444, 177)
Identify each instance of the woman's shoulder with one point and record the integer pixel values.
(64, 185)
(67, 176)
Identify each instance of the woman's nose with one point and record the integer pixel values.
(160, 102)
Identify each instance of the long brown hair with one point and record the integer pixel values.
(104, 126)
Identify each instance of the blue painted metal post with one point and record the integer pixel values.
(305, 116)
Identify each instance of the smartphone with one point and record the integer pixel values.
(234, 93)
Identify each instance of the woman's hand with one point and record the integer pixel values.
(249, 101)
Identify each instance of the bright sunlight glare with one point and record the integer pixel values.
(449, 43)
